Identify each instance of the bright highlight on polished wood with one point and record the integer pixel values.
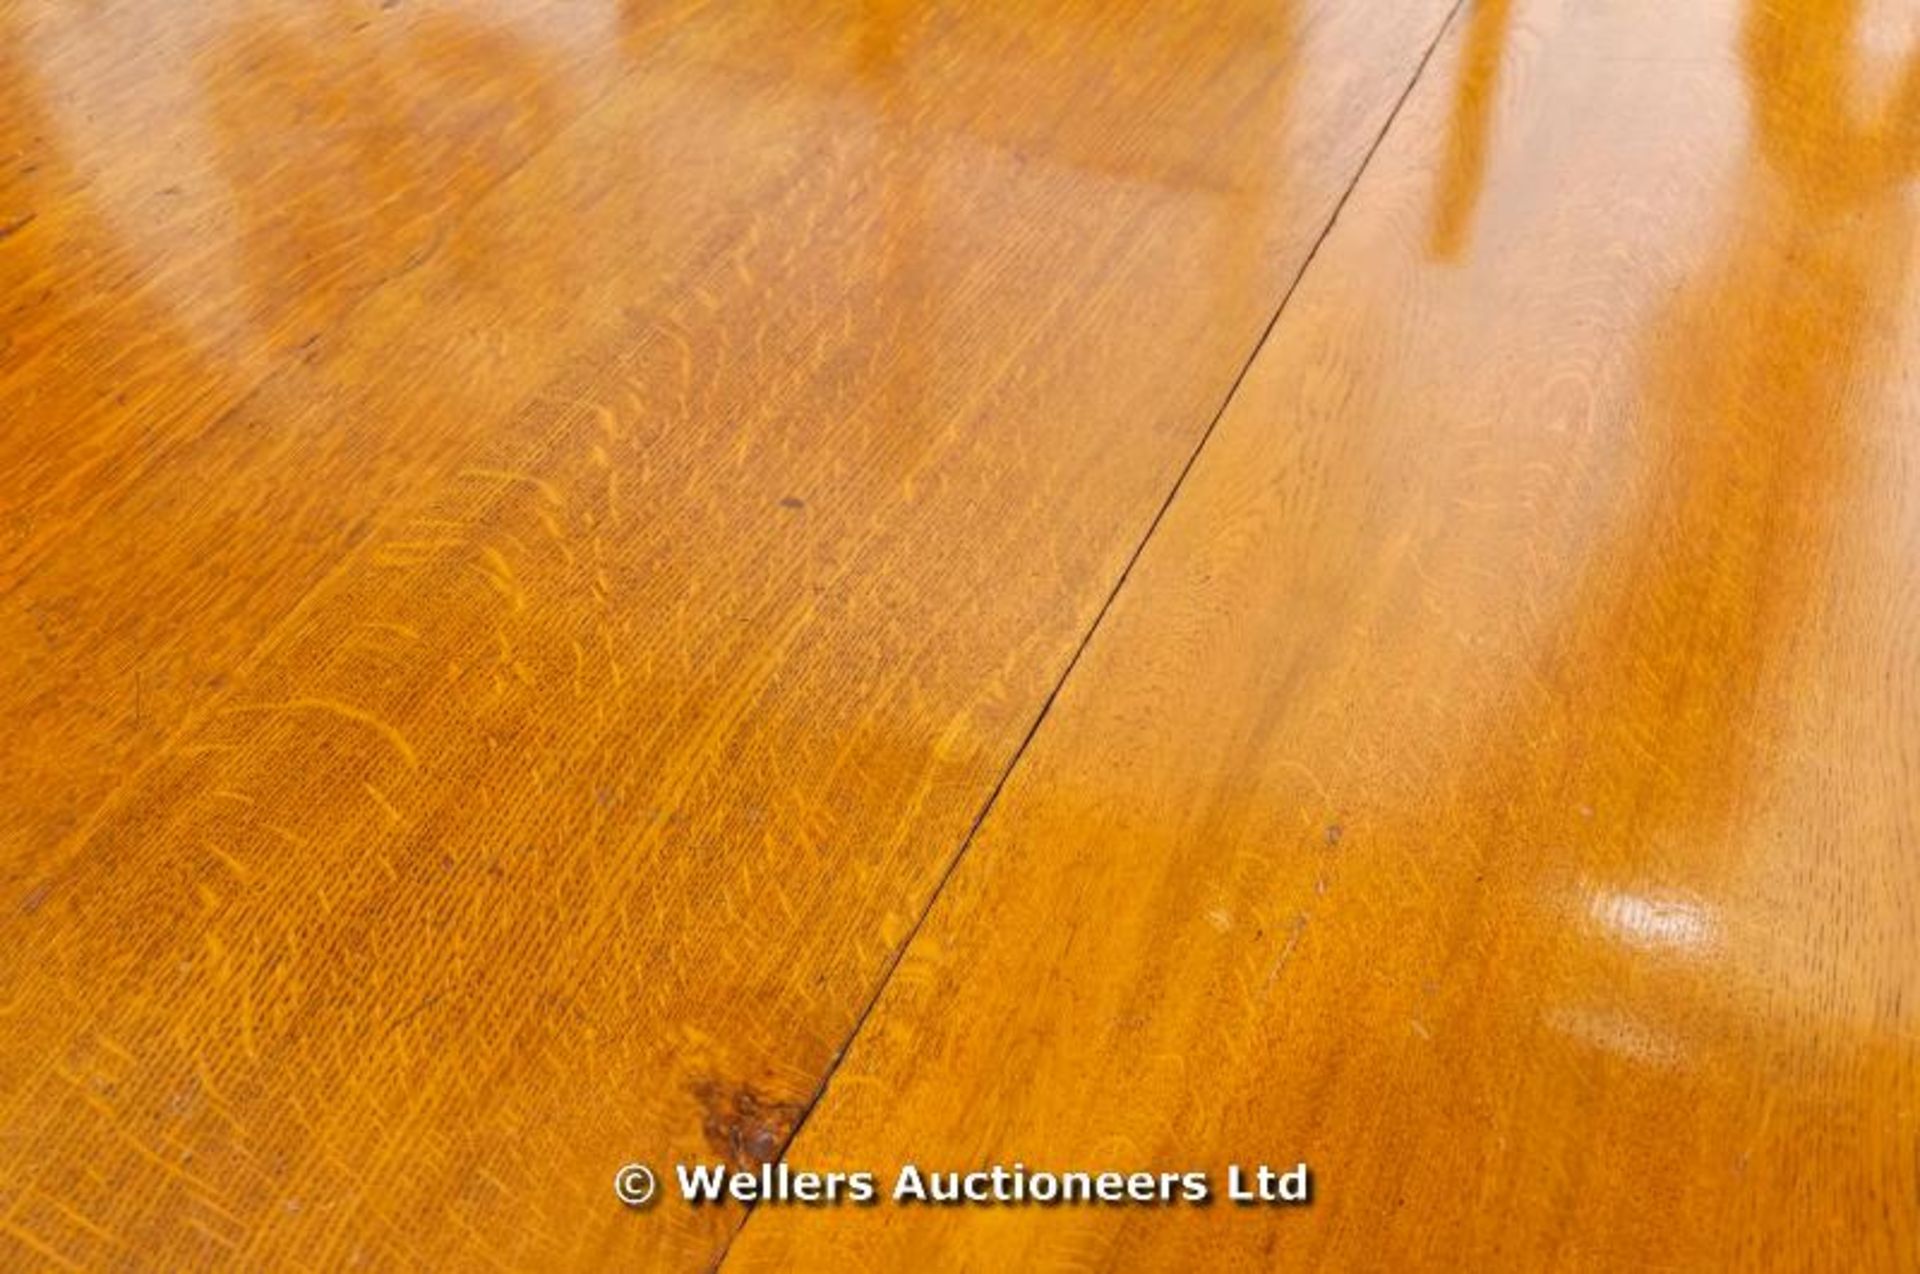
(595, 582)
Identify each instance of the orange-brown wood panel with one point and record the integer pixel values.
(1498, 783)
(565, 680)
(191, 198)
(189, 193)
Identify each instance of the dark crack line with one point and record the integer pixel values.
(1086, 639)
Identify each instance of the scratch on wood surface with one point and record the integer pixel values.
(499, 573)
(247, 1040)
(545, 488)
(217, 953)
(1298, 927)
(360, 716)
(292, 838)
(1307, 774)
(221, 1239)
(227, 860)
(386, 806)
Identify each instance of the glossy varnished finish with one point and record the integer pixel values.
(189, 201)
(531, 533)
(1496, 785)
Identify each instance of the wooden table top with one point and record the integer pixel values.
(1105, 586)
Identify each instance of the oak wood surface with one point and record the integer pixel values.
(521, 571)
(191, 199)
(1498, 782)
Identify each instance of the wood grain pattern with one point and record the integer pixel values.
(1497, 784)
(191, 201)
(493, 697)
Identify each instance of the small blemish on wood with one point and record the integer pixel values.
(744, 1125)
(792, 502)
